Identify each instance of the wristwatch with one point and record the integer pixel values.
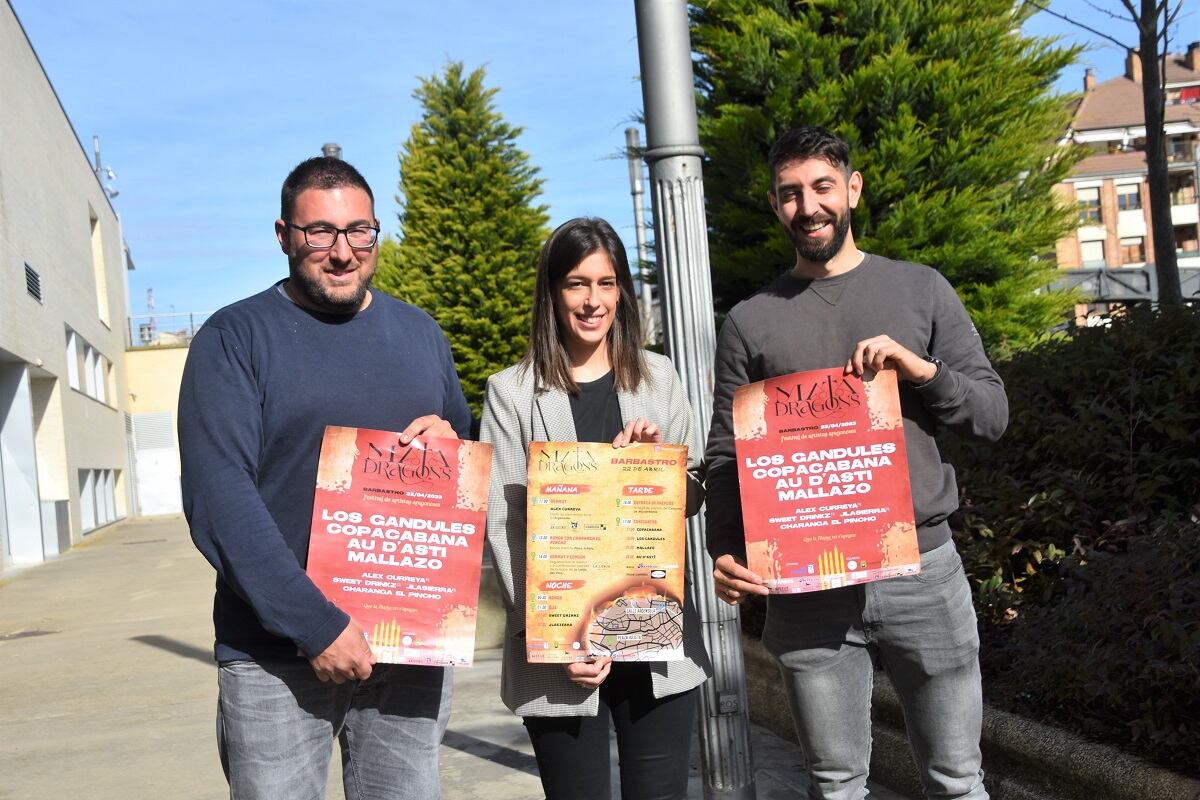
(937, 362)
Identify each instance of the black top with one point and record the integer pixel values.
(596, 412)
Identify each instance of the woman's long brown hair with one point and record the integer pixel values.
(570, 244)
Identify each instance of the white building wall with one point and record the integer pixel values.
(49, 198)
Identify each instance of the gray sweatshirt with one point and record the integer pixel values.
(794, 325)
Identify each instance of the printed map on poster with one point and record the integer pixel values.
(605, 552)
(824, 480)
(397, 540)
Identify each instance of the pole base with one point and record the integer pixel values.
(741, 793)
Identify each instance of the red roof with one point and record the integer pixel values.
(1117, 103)
(1111, 164)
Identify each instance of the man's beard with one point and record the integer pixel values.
(319, 296)
(817, 252)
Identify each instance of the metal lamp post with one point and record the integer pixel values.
(632, 151)
(681, 245)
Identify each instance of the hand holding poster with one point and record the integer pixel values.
(605, 553)
(397, 540)
(824, 480)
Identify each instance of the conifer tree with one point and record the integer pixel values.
(470, 228)
(950, 116)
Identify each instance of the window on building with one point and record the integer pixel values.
(1179, 149)
(81, 362)
(88, 370)
(100, 380)
(1092, 254)
(1133, 250)
(98, 268)
(1089, 205)
(1183, 189)
(1186, 240)
(87, 499)
(72, 359)
(1129, 197)
(97, 497)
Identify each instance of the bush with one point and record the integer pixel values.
(1080, 535)
(1102, 441)
(1116, 654)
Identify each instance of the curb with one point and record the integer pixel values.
(1023, 759)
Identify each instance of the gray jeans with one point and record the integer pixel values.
(276, 723)
(922, 630)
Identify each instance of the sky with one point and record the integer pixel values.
(203, 108)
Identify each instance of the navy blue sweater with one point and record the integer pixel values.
(263, 379)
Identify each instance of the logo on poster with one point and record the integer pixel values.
(407, 464)
(562, 459)
(818, 400)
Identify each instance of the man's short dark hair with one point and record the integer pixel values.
(320, 172)
(805, 142)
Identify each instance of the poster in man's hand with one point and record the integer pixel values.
(824, 480)
(397, 540)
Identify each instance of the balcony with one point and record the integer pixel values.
(1125, 284)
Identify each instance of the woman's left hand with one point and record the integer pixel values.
(638, 431)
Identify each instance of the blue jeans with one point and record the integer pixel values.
(276, 723)
(922, 629)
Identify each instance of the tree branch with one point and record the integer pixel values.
(1172, 15)
(1065, 18)
(1103, 10)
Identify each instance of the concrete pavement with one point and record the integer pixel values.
(108, 690)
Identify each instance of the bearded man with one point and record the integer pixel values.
(838, 306)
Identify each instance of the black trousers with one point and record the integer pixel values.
(653, 739)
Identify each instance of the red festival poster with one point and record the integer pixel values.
(397, 540)
(824, 480)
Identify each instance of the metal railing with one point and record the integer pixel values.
(1125, 284)
(163, 330)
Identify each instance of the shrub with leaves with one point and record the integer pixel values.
(1116, 655)
(1101, 442)
(1080, 533)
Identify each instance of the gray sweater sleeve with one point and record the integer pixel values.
(723, 509)
(966, 395)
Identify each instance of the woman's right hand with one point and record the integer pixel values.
(589, 674)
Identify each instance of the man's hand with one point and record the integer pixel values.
(428, 425)
(347, 659)
(638, 431)
(734, 582)
(589, 674)
(881, 352)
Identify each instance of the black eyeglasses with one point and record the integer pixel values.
(323, 237)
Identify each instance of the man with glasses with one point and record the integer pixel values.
(264, 377)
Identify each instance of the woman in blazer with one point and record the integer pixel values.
(586, 377)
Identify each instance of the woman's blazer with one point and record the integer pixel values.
(514, 414)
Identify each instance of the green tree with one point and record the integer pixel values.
(951, 118)
(470, 228)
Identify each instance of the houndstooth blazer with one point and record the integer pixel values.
(514, 414)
